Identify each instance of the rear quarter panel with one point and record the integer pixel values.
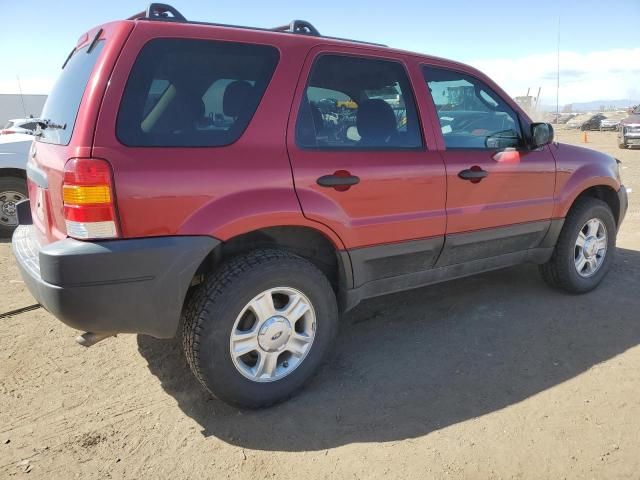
(217, 191)
(13, 154)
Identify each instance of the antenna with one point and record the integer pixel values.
(558, 76)
(24, 109)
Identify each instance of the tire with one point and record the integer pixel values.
(622, 146)
(213, 312)
(561, 270)
(12, 190)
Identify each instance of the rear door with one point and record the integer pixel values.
(500, 193)
(360, 160)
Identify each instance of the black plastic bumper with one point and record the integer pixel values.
(117, 286)
(624, 204)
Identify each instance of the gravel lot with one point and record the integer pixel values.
(488, 377)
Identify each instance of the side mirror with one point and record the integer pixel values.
(541, 134)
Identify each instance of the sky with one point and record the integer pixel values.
(514, 42)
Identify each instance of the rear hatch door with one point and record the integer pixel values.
(69, 118)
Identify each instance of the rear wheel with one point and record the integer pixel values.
(259, 327)
(585, 248)
(12, 191)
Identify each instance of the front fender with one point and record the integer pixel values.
(232, 215)
(571, 182)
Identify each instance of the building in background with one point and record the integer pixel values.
(20, 106)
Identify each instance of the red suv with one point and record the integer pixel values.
(243, 187)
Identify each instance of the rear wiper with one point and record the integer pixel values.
(46, 123)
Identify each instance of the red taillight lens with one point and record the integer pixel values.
(6, 132)
(89, 209)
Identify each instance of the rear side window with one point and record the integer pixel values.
(193, 93)
(61, 107)
(28, 126)
(353, 102)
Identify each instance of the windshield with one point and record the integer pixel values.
(9, 125)
(64, 100)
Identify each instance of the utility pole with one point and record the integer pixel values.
(558, 77)
(24, 109)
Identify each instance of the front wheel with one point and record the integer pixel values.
(585, 248)
(258, 328)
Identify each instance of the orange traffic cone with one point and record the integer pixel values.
(585, 137)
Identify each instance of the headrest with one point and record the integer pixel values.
(376, 121)
(236, 98)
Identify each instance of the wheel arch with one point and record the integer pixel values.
(304, 241)
(13, 172)
(606, 193)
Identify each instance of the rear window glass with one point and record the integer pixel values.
(193, 93)
(361, 103)
(61, 107)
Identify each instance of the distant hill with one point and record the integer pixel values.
(596, 104)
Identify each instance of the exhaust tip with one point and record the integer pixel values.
(89, 339)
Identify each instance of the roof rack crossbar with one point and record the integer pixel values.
(161, 12)
(299, 26)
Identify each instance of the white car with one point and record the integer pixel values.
(20, 125)
(14, 151)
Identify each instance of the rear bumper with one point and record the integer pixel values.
(117, 286)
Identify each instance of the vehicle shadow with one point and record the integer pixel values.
(411, 363)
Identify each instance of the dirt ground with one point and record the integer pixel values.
(495, 376)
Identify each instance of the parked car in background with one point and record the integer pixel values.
(576, 122)
(609, 124)
(20, 125)
(629, 129)
(250, 236)
(592, 123)
(561, 118)
(14, 150)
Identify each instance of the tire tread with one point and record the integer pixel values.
(213, 289)
(553, 272)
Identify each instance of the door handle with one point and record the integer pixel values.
(473, 174)
(341, 180)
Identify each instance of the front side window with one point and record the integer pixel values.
(193, 93)
(353, 102)
(471, 115)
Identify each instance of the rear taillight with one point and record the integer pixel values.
(6, 132)
(89, 208)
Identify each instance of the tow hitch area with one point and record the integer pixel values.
(88, 339)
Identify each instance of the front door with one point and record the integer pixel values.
(499, 193)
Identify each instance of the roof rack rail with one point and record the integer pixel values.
(299, 26)
(159, 11)
(166, 13)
